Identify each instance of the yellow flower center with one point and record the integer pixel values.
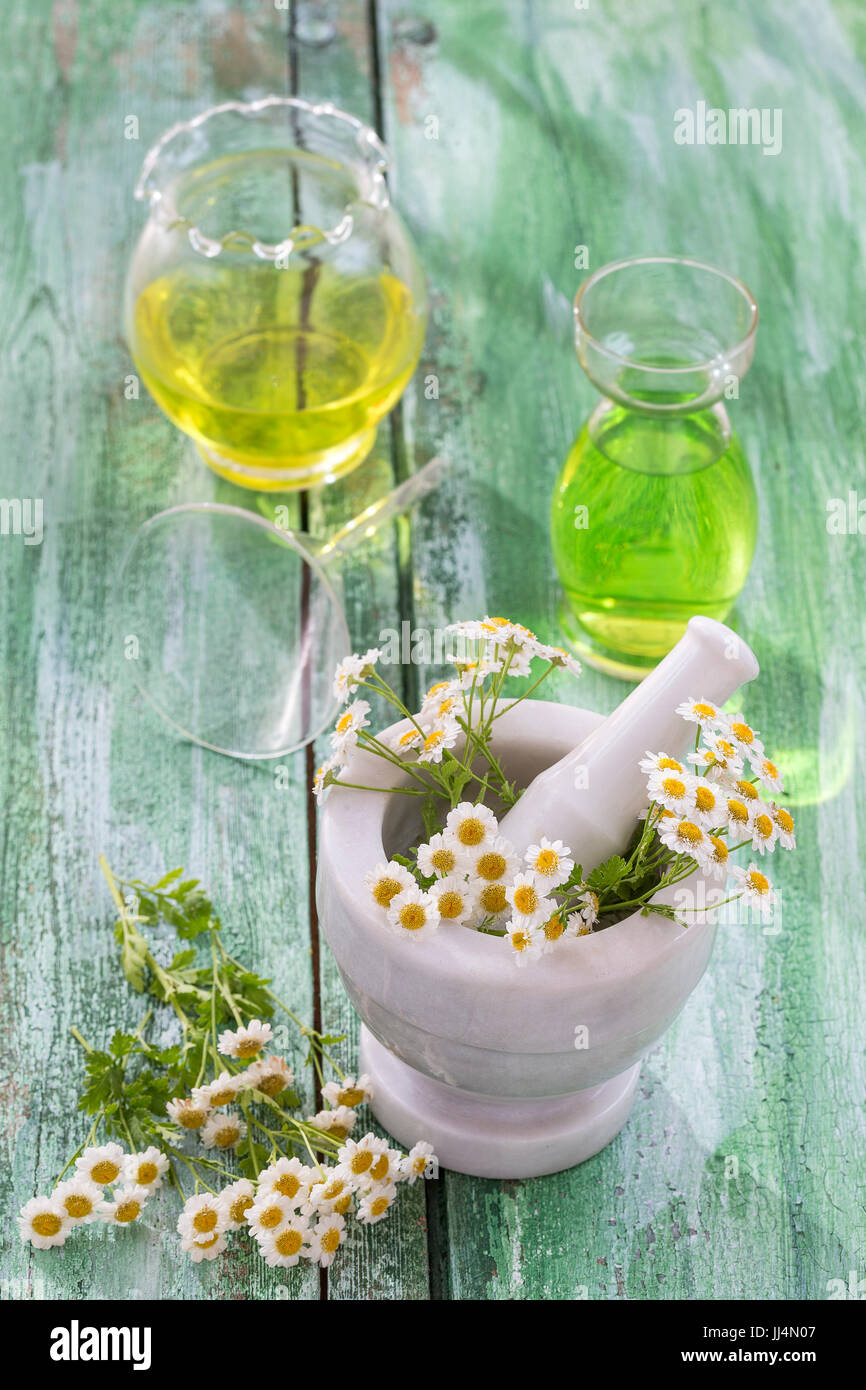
(737, 811)
(419, 1164)
(104, 1172)
(362, 1159)
(239, 1208)
(340, 1131)
(225, 1137)
(46, 1223)
(705, 711)
(450, 905)
(272, 1084)
(446, 705)
(412, 916)
(379, 1204)
(669, 763)
(380, 1168)
(248, 1047)
(757, 881)
(289, 1242)
(520, 939)
(784, 820)
(443, 860)
(188, 1119)
(493, 899)
(743, 733)
(78, 1206)
(705, 800)
(206, 1244)
(204, 1220)
(223, 1097)
(127, 1211)
(350, 1095)
(331, 1239)
(554, 928)
(727, 748)
(764, 826)
(270, 1217)
(747, 791)
(345, 723)
(526, 899)
(385, 890)
(491, 866)
(720, 849)
(433, 740)
(691, 833)
(343, 1203)
(287, 1184)
(769, 769)
(471, 831)
(672, 786)
(333, 1189)
(547, 862)
(146, 1174)
(435, 689)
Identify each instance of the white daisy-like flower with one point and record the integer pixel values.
(146, 1169)
(348, 1091)
(188, 1111)
(102, 1165)
(660, 763)
(387, 880)
(474, 673)
(519, 661)
(588, 910)
(550, 861)
(284, 1247)
(491, 902)
(288, 1179)
(685, 837)
(469, 826)
(332, 1186)
(223, 1131)
(744, 738)
(702, 712)
(247, 1041)
(270, 1075)
(352, 670)
(126, 1205)
(339, 1122)
(437, 741)
(207, 1248)
(221, 1091)
(737, 813)
(82, 1200)
(439, 856)
(202, 1217)
(559, 657)
(348, 726)
(756, 887)
(320, 782)
(717, 858)
(443, 703)
(495, 861)
(673, 790)
(234, 1202)
(419, 1162)
(325, 1239)
(768, 773)
(553, 930)
(406, 741)
(722, 755)
(44, 1221)
(269, 1212)
(744, 789)
(706, 805)
(454, 898)
(530, 907)
(577, 925)
(384, 1171)
(762, 827)
(526, 943)
(376, 1205)
(358, 1156)
(441, 690)
(414, 912)
(785, 825)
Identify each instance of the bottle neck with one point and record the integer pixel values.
(660, 444)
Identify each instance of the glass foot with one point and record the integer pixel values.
(603, 658)
(325, 468)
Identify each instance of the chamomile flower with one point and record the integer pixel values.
(348, 726)
(247, 1041)
(529, 906)
(491, 903)
(550, 861)
(419, 1162)
(270, 1075)
(745, 790)
(269, 1212)
(706, 804)
(472, 674)
(126, 1205)
(717, 757)
(660, 763)
(414, 912)
(495, 861)
(387, 880)
(744, 738)
(44, 1221)
(358, 1156)
(454, 899)
(702, 712)
(283, 1247)
(588, 910)
(332, 1186)
(352, 670)
(442, 690)
(207, 1248)
(526, 943)
(553, 930)
(716, 860)
(737, 813)
(406, 741)
(469, 826)
(672, 790)
(785, 825)
(339, 1122)
(559, 657)
(577, 926)
(102, 1165)
(762, 828)
(437, 741)
(202, 1216)
(376, 1204)
(234, 1202)
(756, 887)
(321, 780)
(768, 773)
(383, 1171)
(325, 1239)
(348, 1091)
(439, 856)
(685, 837)
(82, 1201)
(146, 1169)
(223, 1131)
(189, 1112)
(288, 1179)
(221, 1091)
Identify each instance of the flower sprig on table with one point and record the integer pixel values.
(292, 1182)
(466, 873)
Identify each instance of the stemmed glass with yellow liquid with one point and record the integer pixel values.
(275, 303)
(654, 514)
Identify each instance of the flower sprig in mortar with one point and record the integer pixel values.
(212, 1112)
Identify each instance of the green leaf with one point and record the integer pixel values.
(608, 874)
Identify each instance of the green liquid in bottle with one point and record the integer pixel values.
(654, 519)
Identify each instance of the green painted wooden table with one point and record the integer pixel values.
(520, 130)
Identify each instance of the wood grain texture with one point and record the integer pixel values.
(740, 1172)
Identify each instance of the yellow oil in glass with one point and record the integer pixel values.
(280, 374)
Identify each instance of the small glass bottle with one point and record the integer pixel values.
(654, 515)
